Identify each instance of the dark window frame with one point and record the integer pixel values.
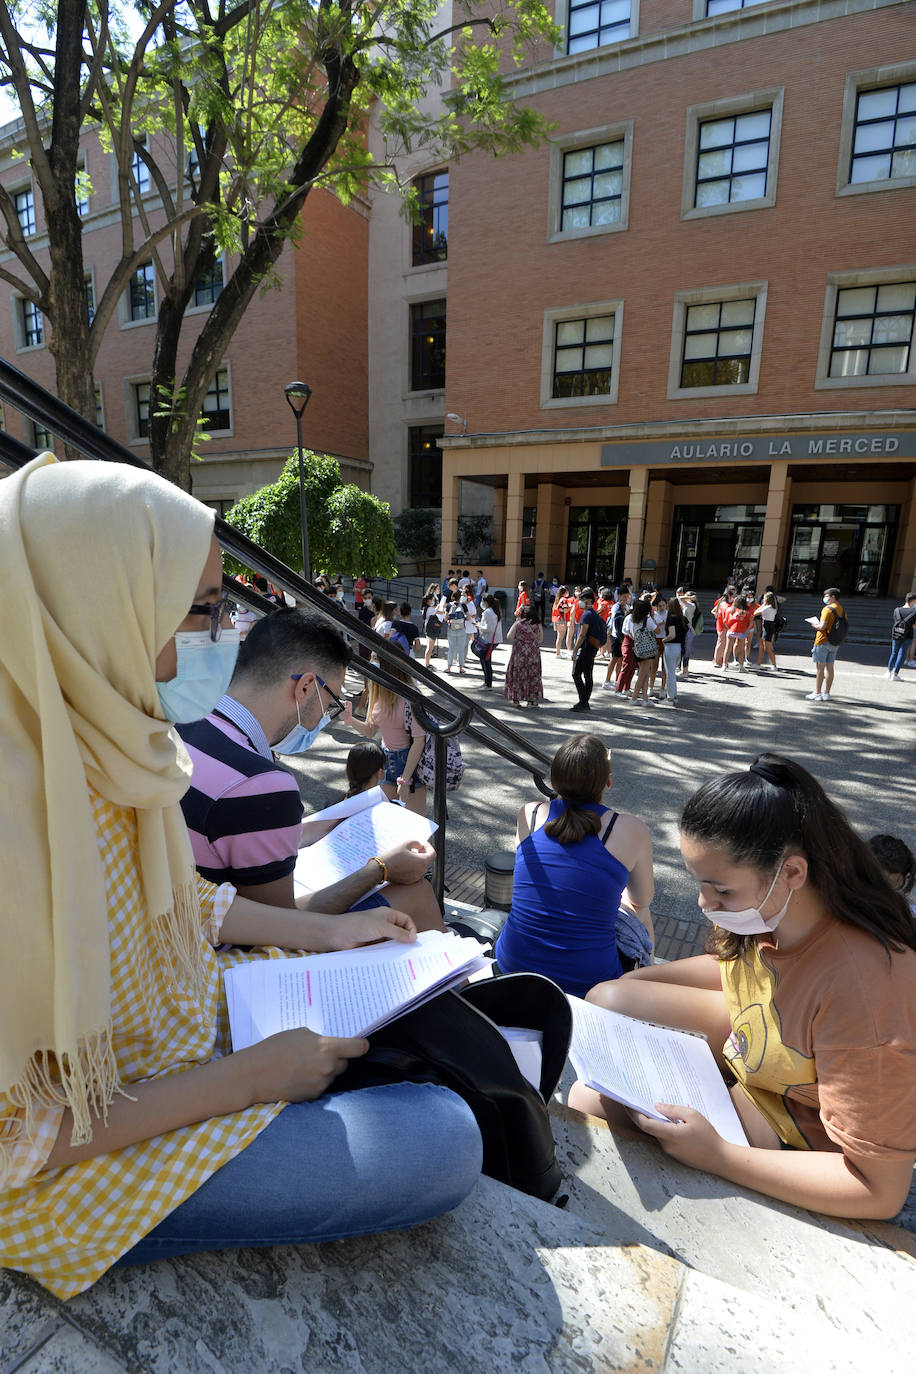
(142, 408)
(141, 295)
(429, 240)
(33, 324)
(616, 31)
(207, 289)
(893, 148)
(427, 345)
(218, 417)
(719, 359)
(567, 178)
(587, 376)
(875, 315)
(424, 458)
(732, 176)
(24, 205)
(141, 172)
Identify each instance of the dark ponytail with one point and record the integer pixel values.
(777, 807)
(578, 775)
(363, 762)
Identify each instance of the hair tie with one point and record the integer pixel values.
(768, 774)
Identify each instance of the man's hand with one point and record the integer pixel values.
(409, 861)
(296, 1065)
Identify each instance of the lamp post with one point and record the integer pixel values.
(299, 392)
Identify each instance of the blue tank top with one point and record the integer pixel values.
(565, 898)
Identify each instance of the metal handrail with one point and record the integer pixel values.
(452, 712)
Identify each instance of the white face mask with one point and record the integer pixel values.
(826, 600)
(750, 921)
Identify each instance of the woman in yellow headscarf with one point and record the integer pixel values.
(127, 1129)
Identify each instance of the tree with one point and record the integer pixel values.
(350, 531)
(418, 531)
(261, 100)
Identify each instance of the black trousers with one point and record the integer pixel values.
(582, 672)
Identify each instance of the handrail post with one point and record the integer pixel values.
(440, 812)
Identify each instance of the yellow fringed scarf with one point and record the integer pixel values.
(98, 565)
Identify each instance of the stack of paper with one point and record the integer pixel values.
(348, 993)
(355, 840)
(638, 1063)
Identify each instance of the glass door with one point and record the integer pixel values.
(684, 564)
(871, 575)
(803, 558)
(839, 544)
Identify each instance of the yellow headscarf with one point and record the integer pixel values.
(98, 565)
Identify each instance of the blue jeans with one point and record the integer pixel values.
(457, 645)
(898, 654)
(672, 658)
(349, 1164)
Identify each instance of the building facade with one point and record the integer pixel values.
(681, 333)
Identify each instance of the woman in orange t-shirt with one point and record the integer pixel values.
(558, 617)
(524, 598)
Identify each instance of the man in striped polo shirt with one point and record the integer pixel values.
(244, 811)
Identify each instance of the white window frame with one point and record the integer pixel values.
(751, 103)
(570, 143)
(709, 295)
(586, 310)
(563, 50)
(126, 321)
(18, 302)
(223, 367)
(836, 282)
(872, 78)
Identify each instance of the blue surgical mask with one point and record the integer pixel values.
(299, 739)
(204, 672)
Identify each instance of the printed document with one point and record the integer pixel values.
(638, 1063)
(349, 845)
(351, 992)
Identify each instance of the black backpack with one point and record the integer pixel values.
(839, 629)
(453, 1040)
(597, 632)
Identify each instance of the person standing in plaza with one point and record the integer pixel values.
(592, 634)
(539, 597)
(558, 612)
(720, 610)
(901, 635)
(675, 627)
(615, 635)
(825, 651)
(455, 618)
(523, 671)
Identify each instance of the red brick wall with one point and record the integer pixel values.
(503, 274)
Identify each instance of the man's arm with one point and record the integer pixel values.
(406, 863)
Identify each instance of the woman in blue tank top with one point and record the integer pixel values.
(577, 864)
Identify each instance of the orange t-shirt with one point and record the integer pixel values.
(824, 1040)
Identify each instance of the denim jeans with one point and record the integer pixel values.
(349, 1164)
(672, 658)
(457, 644)
(898, 654)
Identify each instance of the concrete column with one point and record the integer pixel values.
(450, 480)
(548, 543)
(774, 551)
(515, 500)
(636, 523)
(657, 535)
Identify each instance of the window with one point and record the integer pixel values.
(590, 182)
(42, 438)
(731, 155)
(579, 356)
(713, 7)
(717, 340)
(425, 466)
(217, 412)
(143, 293)
(427, 346)
(430, 232)
(82, 191)
(89, 286)
(867, 334)
(99, 412)
(138, 167)
(32, 324)
(24, 202)
(592, 186)
(592, 23)
(208, 287)
(141, 409)
(884, 142)
(878, 130)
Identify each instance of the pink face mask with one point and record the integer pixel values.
(750, 921)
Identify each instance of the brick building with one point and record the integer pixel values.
(681, 333)
(312, 327)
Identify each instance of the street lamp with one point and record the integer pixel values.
(299, 392)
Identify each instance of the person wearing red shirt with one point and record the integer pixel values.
(558, 617)
(720, 610)
(738, 621)
(523, 598)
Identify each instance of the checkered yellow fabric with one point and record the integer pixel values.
(67, 1226)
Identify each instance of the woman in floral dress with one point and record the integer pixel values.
(523, 671)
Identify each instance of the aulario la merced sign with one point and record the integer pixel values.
(759, 448)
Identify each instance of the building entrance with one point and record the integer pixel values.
(712, 545)
(596, 544)
(849, 547)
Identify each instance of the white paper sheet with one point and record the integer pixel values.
(350, 806)
(349, 845)
(348, 993)
(639, 1064)
(527, 1048)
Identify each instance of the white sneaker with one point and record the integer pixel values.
(895, 677)
(607, 686)
(814, 696)
(825, 696)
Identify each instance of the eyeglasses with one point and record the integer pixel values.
(337, 706)
(215, 610)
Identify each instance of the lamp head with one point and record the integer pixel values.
(297, 391)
